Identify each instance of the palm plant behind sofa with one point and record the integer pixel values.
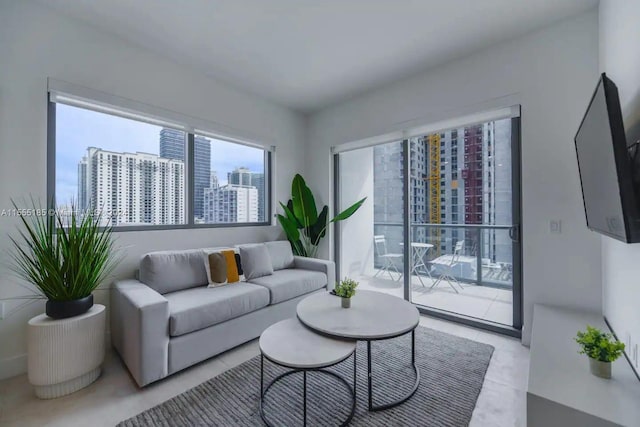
(302, 223)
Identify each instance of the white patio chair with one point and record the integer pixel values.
(388, 259)
(447, 274)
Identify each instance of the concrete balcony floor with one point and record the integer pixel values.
(481, 302)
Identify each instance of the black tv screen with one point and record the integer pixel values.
(605, 166)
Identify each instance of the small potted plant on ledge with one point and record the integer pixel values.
(345, 290)
(602, 349)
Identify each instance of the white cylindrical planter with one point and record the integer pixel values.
(65, 355)
(600, 369)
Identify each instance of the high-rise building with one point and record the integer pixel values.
(135, 188)
(231, 203)
(201, 173)
(388, 195)
(243, 176)
(213, 180)
(172, 146)
(83, 199)
(240, 176)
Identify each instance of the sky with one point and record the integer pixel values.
(77, 129)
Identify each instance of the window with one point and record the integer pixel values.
(137, 174)
(229, 182)
(116, 166)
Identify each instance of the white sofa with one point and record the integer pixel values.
(168, 319)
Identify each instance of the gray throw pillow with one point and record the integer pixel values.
(281, 254)
(256, 261)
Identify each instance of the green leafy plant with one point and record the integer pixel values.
(346, 288)
(302, 223)
(599, 345)
(64, 254)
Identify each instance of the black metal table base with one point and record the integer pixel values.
(374, 408)
(263, 390)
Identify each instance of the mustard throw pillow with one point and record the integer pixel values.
(232, 268)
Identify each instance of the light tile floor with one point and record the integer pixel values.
(115, 397)
(482, 302)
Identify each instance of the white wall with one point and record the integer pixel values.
(620, 59)
(357, 252)
(36, 43)
(552, 73)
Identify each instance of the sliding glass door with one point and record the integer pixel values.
(440, 227)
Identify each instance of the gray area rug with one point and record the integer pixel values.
(452, 371)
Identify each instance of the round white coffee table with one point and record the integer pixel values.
(290, 344)
(373, 316)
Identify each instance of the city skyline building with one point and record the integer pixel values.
(83, 195)
(214, 182)
(172, 146)
(244, 176)
(231, 203)
(135, 188)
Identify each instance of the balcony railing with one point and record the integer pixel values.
(485, 258)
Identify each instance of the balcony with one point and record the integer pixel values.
(460, 269)
(474, 261)
(481, 302)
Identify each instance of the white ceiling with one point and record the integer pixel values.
(308, 54)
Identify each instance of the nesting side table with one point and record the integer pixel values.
(65, 355)
(291, 345)
(373, 316)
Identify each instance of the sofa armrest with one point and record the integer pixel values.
(140, 330)
(324, 266)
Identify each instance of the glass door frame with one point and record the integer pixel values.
(515, 329)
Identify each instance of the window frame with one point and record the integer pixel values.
(190, 134)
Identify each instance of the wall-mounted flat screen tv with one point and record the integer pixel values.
(606, 166)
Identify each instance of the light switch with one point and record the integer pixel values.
(555, 226)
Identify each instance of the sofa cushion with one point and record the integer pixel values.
(170, 271)
(281, 254)
(290, 283)
(199, 308)
(256, 261)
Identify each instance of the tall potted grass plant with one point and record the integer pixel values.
(64, 254)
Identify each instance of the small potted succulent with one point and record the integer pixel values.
(345, 290)
(602, 349)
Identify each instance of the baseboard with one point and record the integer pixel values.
(12, 366)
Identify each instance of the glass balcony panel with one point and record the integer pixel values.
(467, 271)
